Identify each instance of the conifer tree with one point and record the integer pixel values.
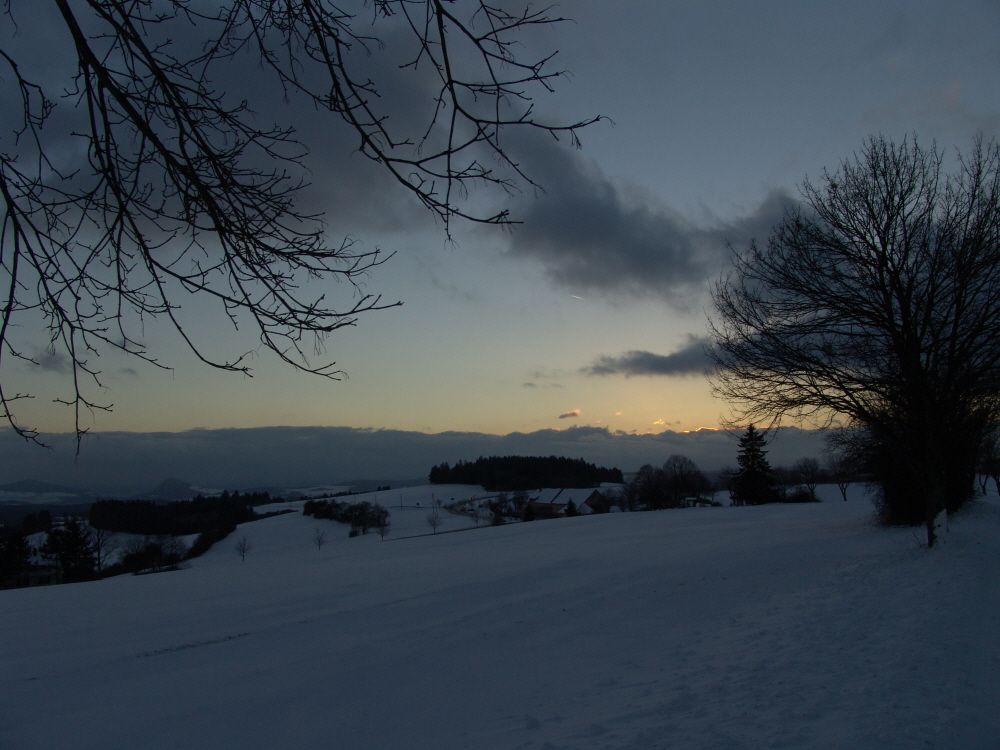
(754, 482)
(71, 549)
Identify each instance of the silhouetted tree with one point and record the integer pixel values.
(498, 508)
(725, 480)
(877, 303)
(841, 471)
(319, 538)
(434, 520)
(628, 495)
(242, 548)
(15, 555)
(70, 548)
(682, 479)
(104, 544)
(519, 501)
(754, 482)
(808, 473)
(155, 181)
(382, 522)
(989, 458)
(783, 480)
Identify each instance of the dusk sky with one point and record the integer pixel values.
(719, 110)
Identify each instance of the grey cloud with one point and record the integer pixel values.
(354, 193)
(570, 414)
(692, 359)
(129, 462)
(590, 232)
(54, 362)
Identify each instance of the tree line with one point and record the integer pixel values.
(177, 518)
(513, 473)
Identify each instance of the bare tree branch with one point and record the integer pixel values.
(172, 200)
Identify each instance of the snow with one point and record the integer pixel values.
(799, 626)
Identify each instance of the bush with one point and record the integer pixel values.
(800, 495)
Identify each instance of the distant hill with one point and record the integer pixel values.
(171, 489)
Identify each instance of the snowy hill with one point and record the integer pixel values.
(798, 626)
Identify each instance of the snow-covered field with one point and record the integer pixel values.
(798, 626)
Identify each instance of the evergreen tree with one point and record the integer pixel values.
(754, 482)
(71, 549)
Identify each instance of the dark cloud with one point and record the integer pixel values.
(590, 232)
(130, 462)
(54, 362)
(570, 414)
(692, 359)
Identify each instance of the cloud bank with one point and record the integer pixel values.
(692, 359)
(118, 463)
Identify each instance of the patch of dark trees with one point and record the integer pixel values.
(74, 551)
(362, 517)
(513, 473)
(178, 518)
(678, 483)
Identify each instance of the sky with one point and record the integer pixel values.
(590, 312)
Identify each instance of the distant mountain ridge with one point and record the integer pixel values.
(40, 488)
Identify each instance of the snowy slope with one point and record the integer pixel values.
(795, 626)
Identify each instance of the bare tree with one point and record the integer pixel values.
(842, 472)
(782, 480)
(877, 304)
(808, 473)
(242, 548)
(725, 481)
(319, 538)
(627, 495)
(179, 190)
(382, 522)
(989, 459)
(434, 520)
(104, 543)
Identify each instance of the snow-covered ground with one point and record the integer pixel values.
(798, 626)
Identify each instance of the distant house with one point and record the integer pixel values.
(552, 502)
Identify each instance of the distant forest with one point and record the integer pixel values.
(512, 473)
(178, 518)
